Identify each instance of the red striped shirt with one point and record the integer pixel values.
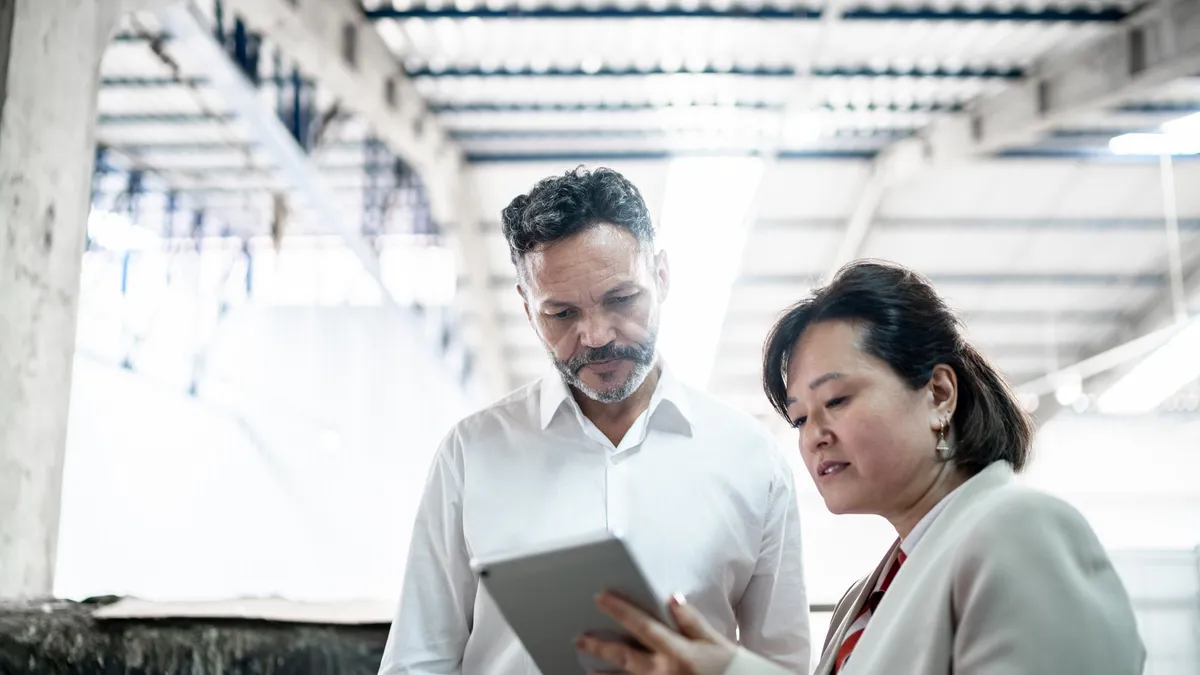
(864, 615)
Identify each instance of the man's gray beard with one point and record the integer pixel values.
(642, 355)
(636, 377)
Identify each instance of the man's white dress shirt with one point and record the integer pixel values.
(697, 489)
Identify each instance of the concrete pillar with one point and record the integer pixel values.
(50, 53)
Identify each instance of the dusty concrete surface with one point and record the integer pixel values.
(61, 638)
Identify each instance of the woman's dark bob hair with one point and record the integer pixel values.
(908, 326)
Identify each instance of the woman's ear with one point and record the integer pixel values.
(943, 393)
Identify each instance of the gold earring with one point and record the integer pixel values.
(943, 448)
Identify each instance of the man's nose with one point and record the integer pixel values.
(596, 331)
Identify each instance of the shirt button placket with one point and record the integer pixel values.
(616, 494)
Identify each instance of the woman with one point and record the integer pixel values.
(899, 416)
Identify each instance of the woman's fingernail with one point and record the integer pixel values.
(678, 599)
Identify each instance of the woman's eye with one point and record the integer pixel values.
(799, 422)
(835, 402)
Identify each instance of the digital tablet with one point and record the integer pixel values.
(548, 598)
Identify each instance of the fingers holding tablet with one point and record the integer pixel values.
(698, 650)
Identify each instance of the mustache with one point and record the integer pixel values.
(638, 353)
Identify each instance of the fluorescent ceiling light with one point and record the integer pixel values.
(1188, 126)
(1154, 144)
(703, 231)
(1069, 389)
(1178, 137)
(1160, 375)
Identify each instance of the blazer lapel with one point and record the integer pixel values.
(847, 611)
(966, 497)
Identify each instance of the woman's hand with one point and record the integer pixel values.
(697, 649)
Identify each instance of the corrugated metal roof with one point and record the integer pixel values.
(526, 97)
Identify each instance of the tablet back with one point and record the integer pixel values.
(548, 598)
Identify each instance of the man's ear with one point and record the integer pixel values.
(524, 302)
(662, 274)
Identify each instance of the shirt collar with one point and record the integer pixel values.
(554, 393)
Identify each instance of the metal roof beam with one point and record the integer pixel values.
(1102, 363)
(979, 224)
(978, 279)
(1171, 108)
(981, 279)
(1159, 44)
(854, 154)
(602, 106)
(478, 134)
(335, 44)
(126, 82)
(303, 181)
(1155, 46)
(138, 82)
(301, 177)
(982, 317)
(1075, 14)
(655, 155)
(1098, 153)
(201, 147)
(125, 37)
(651, 106)
(858, 225)
(939, 72)
(183, 119)
(743, 350)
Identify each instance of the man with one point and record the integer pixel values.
(698, 490)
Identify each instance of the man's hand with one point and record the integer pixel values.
(696, 650)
